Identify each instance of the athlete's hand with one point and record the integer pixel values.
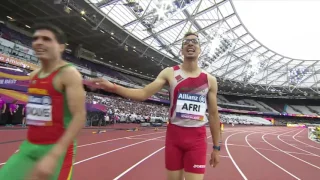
(101, 84)
(45, 168)
(215, 158)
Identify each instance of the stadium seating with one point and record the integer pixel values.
(123, 108)
(243, 119)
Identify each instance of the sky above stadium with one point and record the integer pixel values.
(288, 27)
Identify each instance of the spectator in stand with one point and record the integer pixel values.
(23, 116)
(106, 119)
(3, 107)
(13, 108)
(110, 114)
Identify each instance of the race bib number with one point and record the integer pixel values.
(191, 106)
(39, 111)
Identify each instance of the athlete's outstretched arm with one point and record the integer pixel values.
(72, 81)
(214, 121)
(136, 94)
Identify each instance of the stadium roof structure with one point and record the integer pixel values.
(229, 50)
(145, 36)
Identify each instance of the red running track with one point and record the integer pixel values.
(247, 153)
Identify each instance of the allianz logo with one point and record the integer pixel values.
(199, 98)
(46, 100)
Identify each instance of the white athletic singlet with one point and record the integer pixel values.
(188, 99)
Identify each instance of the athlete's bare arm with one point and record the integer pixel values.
(214, 121)
(138, 94)
(71, 81)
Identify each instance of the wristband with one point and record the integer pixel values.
(216, 148)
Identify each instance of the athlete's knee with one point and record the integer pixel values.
(193, 176)
(175, 175)
(173, 164)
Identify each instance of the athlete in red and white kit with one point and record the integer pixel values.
(192, 92)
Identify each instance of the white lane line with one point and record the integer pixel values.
(294, 137)
(99, 142)
(274, 150)
(142, 160)
(223, 156)
(220, 156)
(233, 161)
(145, 139)
(246, 138)
(255, 131)
(293, 145)
(93, 157)
(108, 152)
(290, 154)
(135, 165)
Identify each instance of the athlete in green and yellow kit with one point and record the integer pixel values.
(55, 113)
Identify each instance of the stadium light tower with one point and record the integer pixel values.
(255, 65)
(162, 11)
(217, 46)
(295, 75)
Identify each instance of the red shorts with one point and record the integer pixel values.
(186, 148)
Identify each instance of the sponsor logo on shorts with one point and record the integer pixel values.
(199, 166)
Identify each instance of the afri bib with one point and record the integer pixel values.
(191, 106)
(39, 110)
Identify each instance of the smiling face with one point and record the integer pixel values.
(191, 47)
(46, 45)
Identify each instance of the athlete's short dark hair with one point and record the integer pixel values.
(190, 33)
(58, 33)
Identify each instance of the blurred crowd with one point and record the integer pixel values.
(120, 109)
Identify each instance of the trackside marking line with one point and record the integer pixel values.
(254, 131)
(246, 138)
(294, 137)
(290, 154)
(265, 149)
(145, 139)
(234, 163)
(108, 152)
(142, 160)
(279, 137)
(135, 165)
(99, 142)
(117, 139)
(220, 156)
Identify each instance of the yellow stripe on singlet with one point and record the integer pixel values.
(70, 173)
(38, 91)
